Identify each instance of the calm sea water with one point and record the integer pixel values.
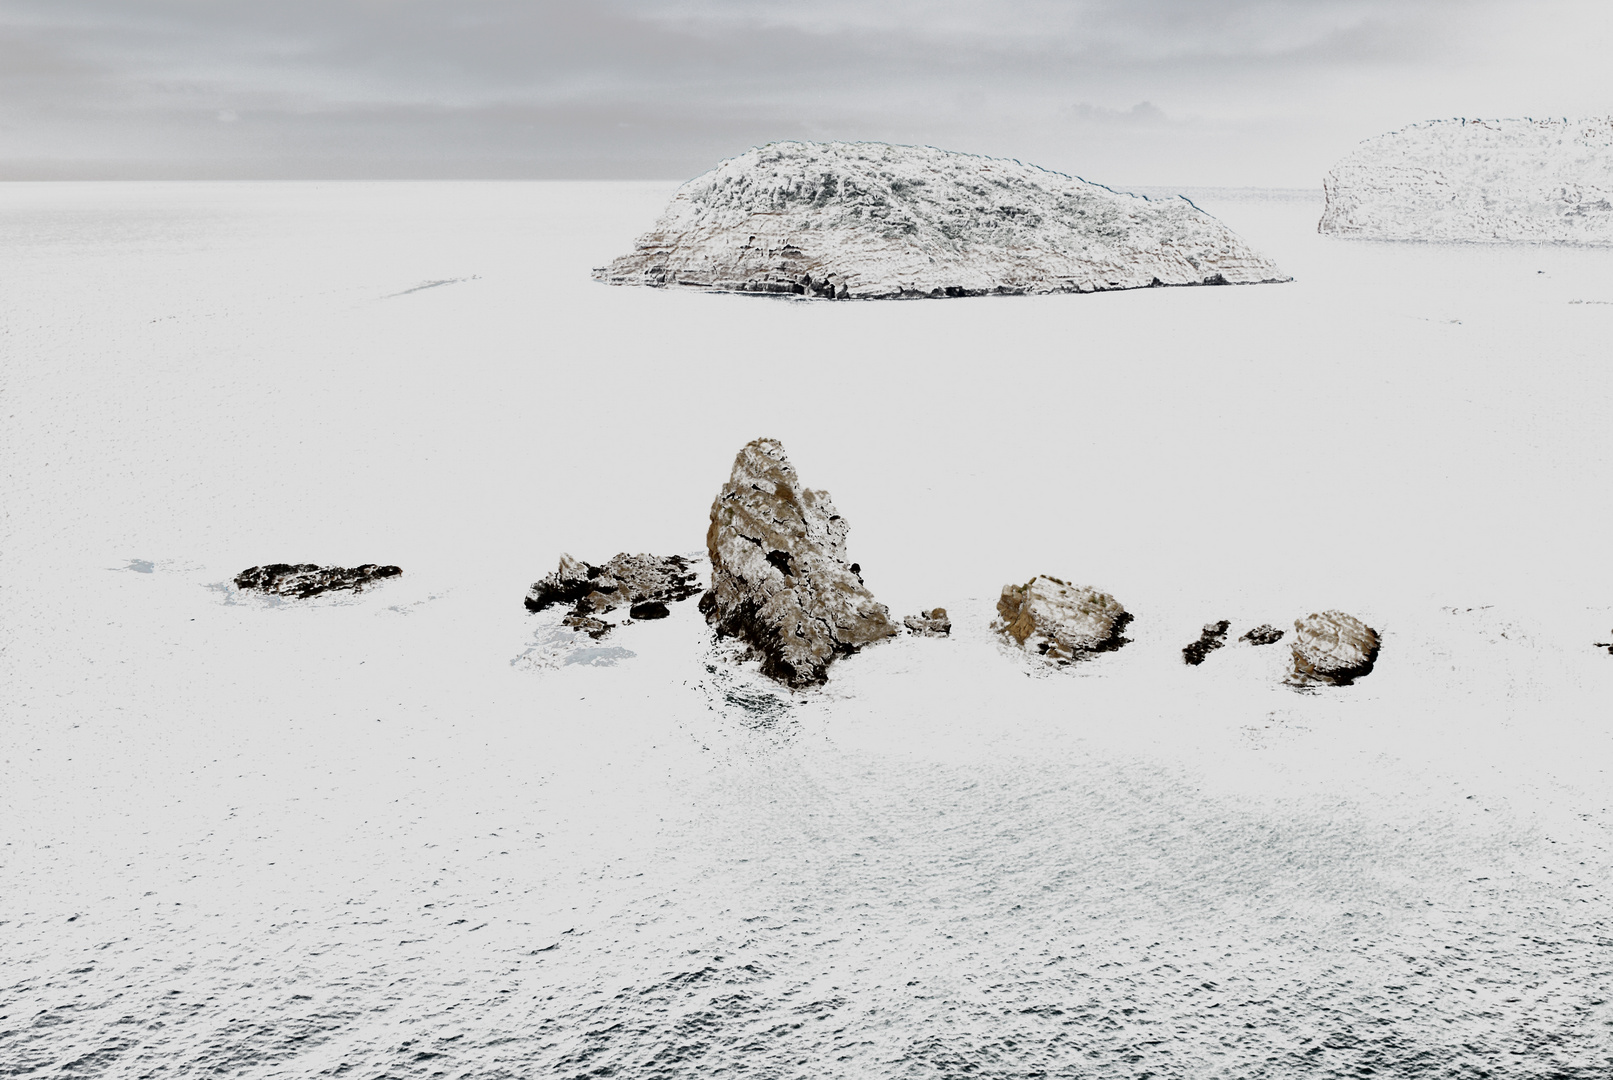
(399, 835)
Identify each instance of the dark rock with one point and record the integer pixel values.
(933, 623)
(302, 580)
(1333, 648)
(1265, 634)
(780, 581)
(1211, 638)
(1060, 621)
(1608, 645)
(587, 624)
(637, 582)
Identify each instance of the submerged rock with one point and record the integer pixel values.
(932, 623)
(302, 580)
(1264, 634)
(1333, 648)
(644, 584)
(1477, 180)
(1211, 638)
(1060, 621)
(780, 581)
(844, 220)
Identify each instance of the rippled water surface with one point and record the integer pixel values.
(418, 832)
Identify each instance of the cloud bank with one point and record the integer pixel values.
(1148, 91)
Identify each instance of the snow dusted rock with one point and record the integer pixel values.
(1333, 648)
(1060, 621)
(871, 220)
(1264, 634)
(1211, 638)
(302, 580)
(1478, 180)
(644, 584)
(779, 577)
(932, 623)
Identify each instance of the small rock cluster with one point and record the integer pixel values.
(932, 623)
(302, 580)
(1211, 638)
(1264, 634)
(782, 586)
(780, 580)
(1060, 621)
(644, 584)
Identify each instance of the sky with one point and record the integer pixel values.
(1265, 93)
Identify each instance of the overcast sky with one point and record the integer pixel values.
(1185, 92)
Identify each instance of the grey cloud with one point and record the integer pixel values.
(639, 88)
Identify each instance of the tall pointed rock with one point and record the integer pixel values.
(780, 581)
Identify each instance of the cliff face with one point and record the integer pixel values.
(870, 220)
(1478, 180)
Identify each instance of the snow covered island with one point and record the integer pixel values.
(874, 221)
(1478, 180)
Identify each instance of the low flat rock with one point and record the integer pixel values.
(932, 623)
(302, 580)
(1059, 621)
(1486, 181)
(843, 220)
(780, 581)
(644, 584)
(1264, 634)
(1333, 648)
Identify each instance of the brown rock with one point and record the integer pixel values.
(932, 623)
(644, 584)
(780, 581)
(1333, 648)
(1060, 621)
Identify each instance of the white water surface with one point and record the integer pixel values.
(417, 832)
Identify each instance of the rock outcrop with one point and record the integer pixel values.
(780, 581)
(1059, 621)
(873, 221)
(302, 580)
(644, 584)
(1264, 634)
(1211, 638)
(1478, 181)
(932, 623)
(1333, 648)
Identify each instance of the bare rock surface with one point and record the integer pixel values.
(932, 623)
(1264, 634)
(1333, 648)
(1478, 181)
(873, 221)
(644, 584)
(1060, 621)
(780, 581)
(1211, 638)
(302, 580)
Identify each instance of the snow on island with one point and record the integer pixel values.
(874, 221)
(1478, 180)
